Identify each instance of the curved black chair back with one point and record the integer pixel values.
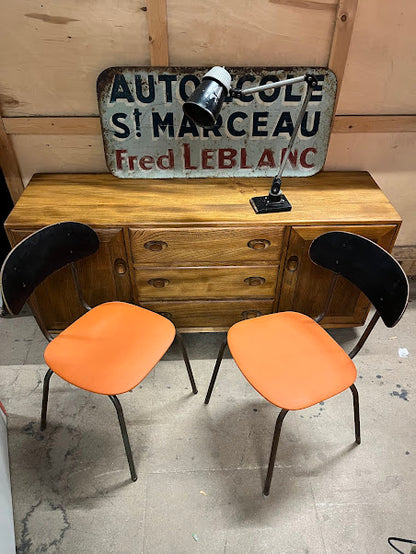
(373, 270)
(40, 255)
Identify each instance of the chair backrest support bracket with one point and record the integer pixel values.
(78, 287)
(365, 335)
(328, 299)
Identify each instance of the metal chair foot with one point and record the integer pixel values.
(215, 372)
(357, 426)
(45, 396)
(187, 363)
(276, 436)
(125, 436)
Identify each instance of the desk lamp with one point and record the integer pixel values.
(205, 103)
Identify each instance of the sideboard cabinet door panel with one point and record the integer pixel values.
(304, 284)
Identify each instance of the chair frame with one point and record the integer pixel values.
(114, 399)
(283, 412)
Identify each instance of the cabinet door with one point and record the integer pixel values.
(104, 276)
(305, 285)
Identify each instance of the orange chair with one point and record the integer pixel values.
(290, 359)
(112, 347)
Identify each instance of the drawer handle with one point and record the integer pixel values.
(155, 245)
(292, 263)
(248, 314)
(254, 281)
(168, 315)
(158, 283)
(120, 266)
(258, 244)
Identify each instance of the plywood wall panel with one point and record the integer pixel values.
(242, 32)
(52, 52)
(380, 76)
(390, 158)
(59, 153)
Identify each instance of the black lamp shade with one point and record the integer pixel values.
(204, 104)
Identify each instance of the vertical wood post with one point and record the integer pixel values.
(9, 165)
(341, 40)
(158, 32)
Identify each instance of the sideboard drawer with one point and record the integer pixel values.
(208, 244)
(206, 282)
(211, 314)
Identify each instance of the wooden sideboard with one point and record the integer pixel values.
(194, 250)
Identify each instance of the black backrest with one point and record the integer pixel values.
(40, 255)
(373, 270)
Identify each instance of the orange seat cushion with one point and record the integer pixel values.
(111, 348)
(290, 359)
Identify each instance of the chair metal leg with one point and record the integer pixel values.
(125, 436)
(276, 436)
(187, 363)
(45, 397)
(215, 372)
(356, 414)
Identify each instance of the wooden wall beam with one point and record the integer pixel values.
(157, 22)
(52, 125)
(341, 40)
(9, 165)
(374, 124)
(91, 125)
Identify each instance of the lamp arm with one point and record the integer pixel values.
(311, 82)
(238, 93)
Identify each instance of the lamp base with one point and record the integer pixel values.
(262, 204)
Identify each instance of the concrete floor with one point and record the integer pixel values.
(201, 468)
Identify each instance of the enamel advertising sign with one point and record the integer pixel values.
(146, 133)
